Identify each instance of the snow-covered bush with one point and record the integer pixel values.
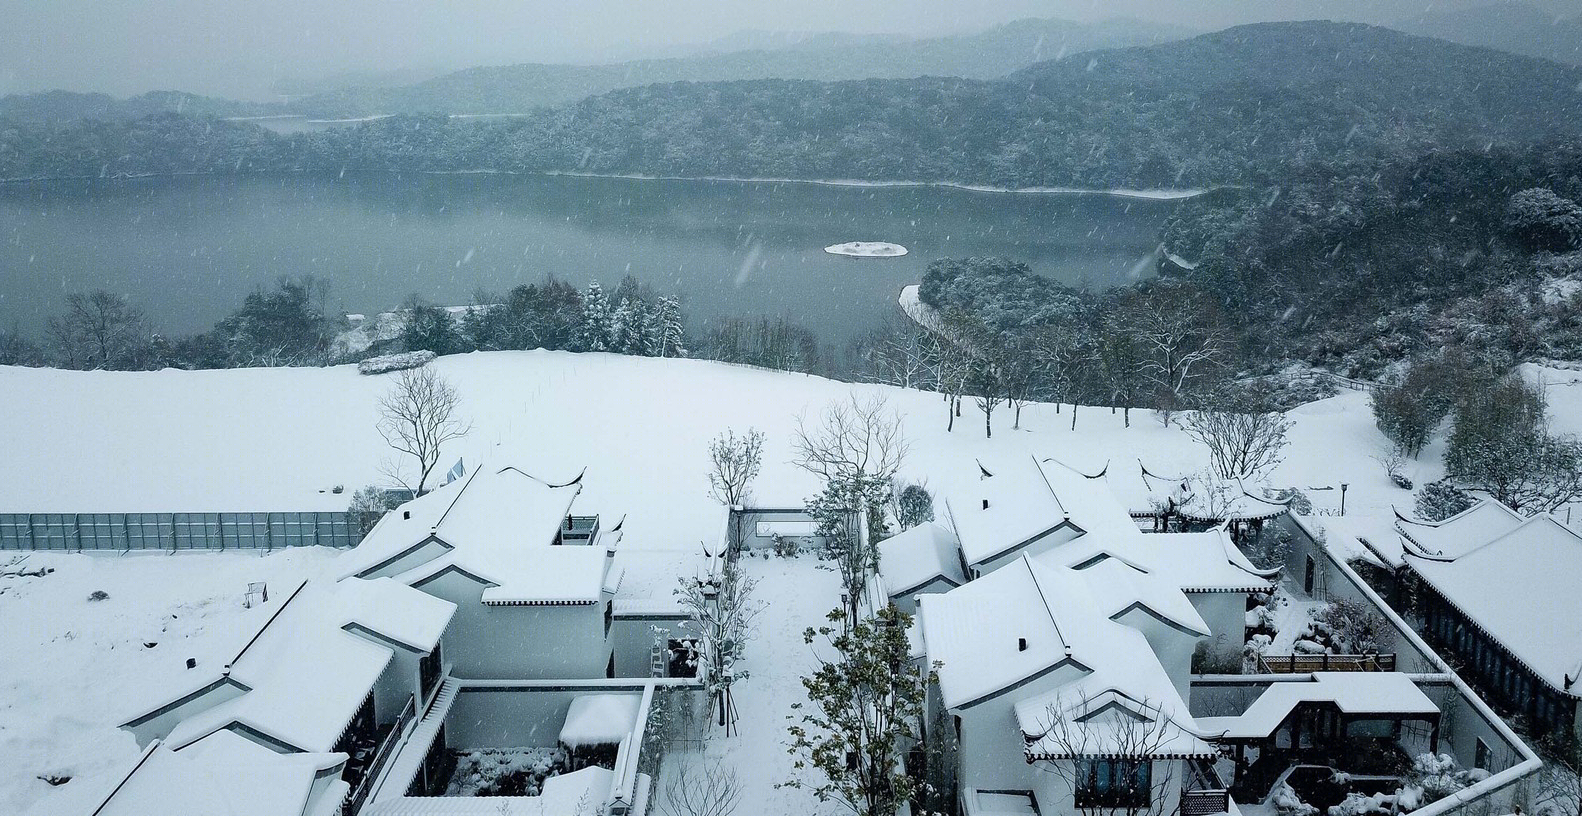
(913, 506)
(1344, 626)
(1287, 803)
(1271, 546)
(1433, 777)
(1544, 221)
(1357, 804)
(369, 504)
(785, 546)
(395, 362)
(99, 595)
(1437, 501)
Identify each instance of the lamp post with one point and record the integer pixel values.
(1343, 487)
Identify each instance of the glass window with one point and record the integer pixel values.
(1118, 783)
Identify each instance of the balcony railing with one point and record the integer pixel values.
(358, 795)
(1203, 793)
(578, 530)
(1304, 663)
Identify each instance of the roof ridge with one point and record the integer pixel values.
(1039, 587)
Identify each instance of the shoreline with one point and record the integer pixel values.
(1141, 195)
(1118, 192)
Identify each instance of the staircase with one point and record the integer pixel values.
(398, 774)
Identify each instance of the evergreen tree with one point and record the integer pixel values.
(628, 328)
(596, 320)
(666, 329)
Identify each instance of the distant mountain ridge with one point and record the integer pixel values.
(826, 57)
(56, 107)
(1247, 105)
(1511, 26)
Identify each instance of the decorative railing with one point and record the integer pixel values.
(1204, 802)
(1203, 793)
(358, 796)
(579, 530)
(1305, 663)
(175, 531)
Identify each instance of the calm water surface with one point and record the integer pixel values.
(187, 249)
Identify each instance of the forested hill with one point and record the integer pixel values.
(59, 107)
(1232, 107)
(521, 88)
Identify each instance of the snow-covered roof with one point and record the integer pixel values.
(581, 791)
(599, 719)
(912, 558)
(1520, 588)
(974, 631)
(1356, 693)
(1025, 620)
(1195, 562)
(499, 525)
(315, 657)
(1124, 707)
(1454, 536)
(1001, 505)
(1119, 587)
(1146, 492)
(224, 773)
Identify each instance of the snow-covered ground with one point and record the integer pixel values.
(74, 668)
(281, 439)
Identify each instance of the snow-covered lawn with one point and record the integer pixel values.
(282, 439)
(797, 592)
(74, 668)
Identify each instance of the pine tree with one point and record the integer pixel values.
(628, 328)
(596, 330)
(666, 329)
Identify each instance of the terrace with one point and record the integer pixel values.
(578, 530)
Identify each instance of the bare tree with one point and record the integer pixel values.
(698, 789)
(417, 418)
(1126, 747)
(895, 353)
(1179, 343)
(100, 330)
(856, 447)
(1560, 785)
(1242, 439)
(721, 612)
(854, 440)
(733, 464)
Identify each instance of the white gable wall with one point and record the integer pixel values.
(1033, 546)
(159, 726)
(992, 756)
(425, 552)
(519, 642)
(1173, 646)
(1226, 616)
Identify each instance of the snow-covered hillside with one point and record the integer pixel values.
(281, 439)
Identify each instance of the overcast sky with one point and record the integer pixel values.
(240, 48)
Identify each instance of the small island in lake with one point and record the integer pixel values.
(867, 249)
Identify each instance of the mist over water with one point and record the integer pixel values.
(187, 250)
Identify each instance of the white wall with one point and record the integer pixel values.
(993, 756)
(1226, 616)
(908, 602)
(398, 682)
(519, 642)
(429, 551)
(159, 727)
(1037, 546)
(1172, 646)
(632, 639)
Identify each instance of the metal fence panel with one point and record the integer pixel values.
(174, 531)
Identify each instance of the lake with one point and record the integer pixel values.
(186, 249)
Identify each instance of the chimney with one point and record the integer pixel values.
(985, 504)
(406, 515)
(192, 662)
(1021, 644)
